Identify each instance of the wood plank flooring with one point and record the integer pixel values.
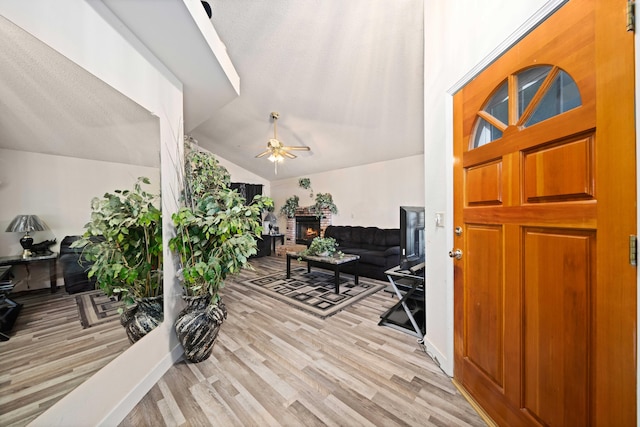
(49, 354)
(276, 365)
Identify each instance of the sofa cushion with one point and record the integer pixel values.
(392, 236)
(373, 257)
(341, 234)
(379, 249)
(393, 250)
(357, 236)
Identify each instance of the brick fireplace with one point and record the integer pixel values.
(305, 226)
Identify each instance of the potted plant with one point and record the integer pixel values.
(324, 201)
(124, 241)
(306, 184)
(216, 234)
(290, 206)
(323, 246)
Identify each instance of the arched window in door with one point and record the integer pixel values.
(531, 96)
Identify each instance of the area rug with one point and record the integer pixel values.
(314, 292)
(95, 308)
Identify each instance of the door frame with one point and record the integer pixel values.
(535, 20)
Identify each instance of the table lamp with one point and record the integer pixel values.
(26, 224)
(270, 221)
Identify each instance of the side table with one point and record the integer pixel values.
(50, 258)
(274, 238)
(407, 315)
(9, 309)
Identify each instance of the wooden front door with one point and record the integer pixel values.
(544, 204)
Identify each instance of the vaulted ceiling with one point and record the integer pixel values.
(345, 76)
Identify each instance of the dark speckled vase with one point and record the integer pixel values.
(142, 317)
(197, 327)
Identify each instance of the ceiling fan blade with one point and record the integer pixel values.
(264, 153)
(300, 148)
(288, 154)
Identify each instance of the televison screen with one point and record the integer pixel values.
(412, 235)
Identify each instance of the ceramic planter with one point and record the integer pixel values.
(197, 326)
(142, 317)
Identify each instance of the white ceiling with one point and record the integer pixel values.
(50, 105)
(345, 76)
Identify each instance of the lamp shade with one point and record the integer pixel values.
(271, 218)
(26, 224)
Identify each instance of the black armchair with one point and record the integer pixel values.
(74, 267)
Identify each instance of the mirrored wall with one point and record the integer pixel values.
(65, 137)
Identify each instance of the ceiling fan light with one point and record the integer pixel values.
(276, 157)
(276, 150)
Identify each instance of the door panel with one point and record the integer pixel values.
(484, 184)
(545, 299)
(558, 275)
(549, 177)
(483, 303)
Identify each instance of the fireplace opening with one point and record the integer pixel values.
(307, 228)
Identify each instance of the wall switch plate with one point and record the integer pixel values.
(439, 219)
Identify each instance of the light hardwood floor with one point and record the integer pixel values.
(276, 365)
(49, 354)
(272, 365)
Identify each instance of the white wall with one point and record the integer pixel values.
(78, 31)
(239, 174)
(458, 35)
(369, 195)
(59, 190)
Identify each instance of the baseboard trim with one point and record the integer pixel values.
(438, 357)
(126, 405)
(116, 388)
(487, 419)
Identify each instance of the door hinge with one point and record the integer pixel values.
(633, 250)
(631, 15)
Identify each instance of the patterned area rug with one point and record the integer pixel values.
(314, 292)
(94, 308)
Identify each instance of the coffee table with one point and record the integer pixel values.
(327, 262)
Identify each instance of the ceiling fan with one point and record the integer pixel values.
(276, 150)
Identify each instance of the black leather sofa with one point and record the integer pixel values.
(74, 267)
(379, 248)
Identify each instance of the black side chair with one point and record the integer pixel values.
(74, 267)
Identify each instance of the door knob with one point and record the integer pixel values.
(455, 253)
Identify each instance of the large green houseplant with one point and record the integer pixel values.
(123, 239)
(215, 240)
(216, 233)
